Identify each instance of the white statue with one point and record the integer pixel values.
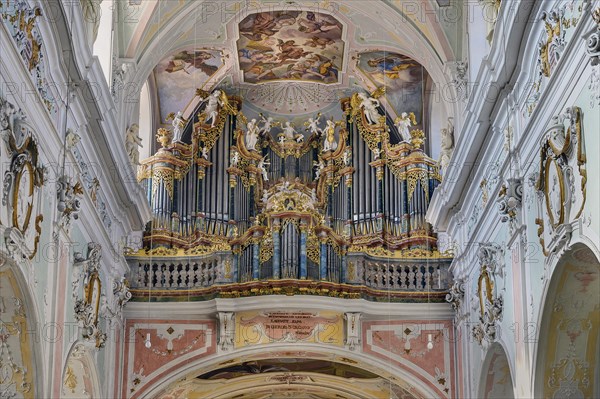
(319, 166)
(329, 144)
(376, 153)
(211, 109)
(178, 124)
(73, 138)
(369, 106)
(262, 165)
(313, 195)
(403, 124)
(289, 131)
(265, 197)
(235, 158)
(346, 158)
(313, 125)
(267, 124)
(251, 135)
(281, 139)
(205, 152)
(447, 146)
(132, 142)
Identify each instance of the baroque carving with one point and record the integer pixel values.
(87, 292)
(459, 70)
(456, 294)
(592, 44)
(562, 177)
(21, 20)
(557, 22)
(22, 183)
(509, 201)
(491, 303)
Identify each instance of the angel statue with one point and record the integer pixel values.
(291, 133)
(211, 110)
(267, 124)
(251, 135)
(369, 106)
(132, 142)
(178, 124)
(262, 165)
(313, 125)
(403, 124)
(319, 166)
(329, 144)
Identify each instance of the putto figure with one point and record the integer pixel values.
(313, 125)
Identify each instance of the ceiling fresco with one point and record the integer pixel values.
(290, 45)
(402, 77)
(178, 76)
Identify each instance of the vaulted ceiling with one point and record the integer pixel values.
(290, 59)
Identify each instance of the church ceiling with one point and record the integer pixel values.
(288, 59)
(178, 75)
(290, 45)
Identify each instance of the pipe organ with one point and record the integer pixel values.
(344, 203)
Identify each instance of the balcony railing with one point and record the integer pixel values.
(215, 275)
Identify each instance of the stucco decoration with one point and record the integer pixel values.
(23, 179)
(592, 44)
(87, 293)
(16, 357)
(559, 23)
(562, 180)
(22, 22)
(489, 298)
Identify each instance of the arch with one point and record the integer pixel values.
(496, 379)
(392, 374)
(567, 354)
(20, 359)
(80, 375)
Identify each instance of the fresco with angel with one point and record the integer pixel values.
(290, 45)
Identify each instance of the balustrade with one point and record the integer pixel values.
(174, 274)
(394, 276)
(183, 274)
